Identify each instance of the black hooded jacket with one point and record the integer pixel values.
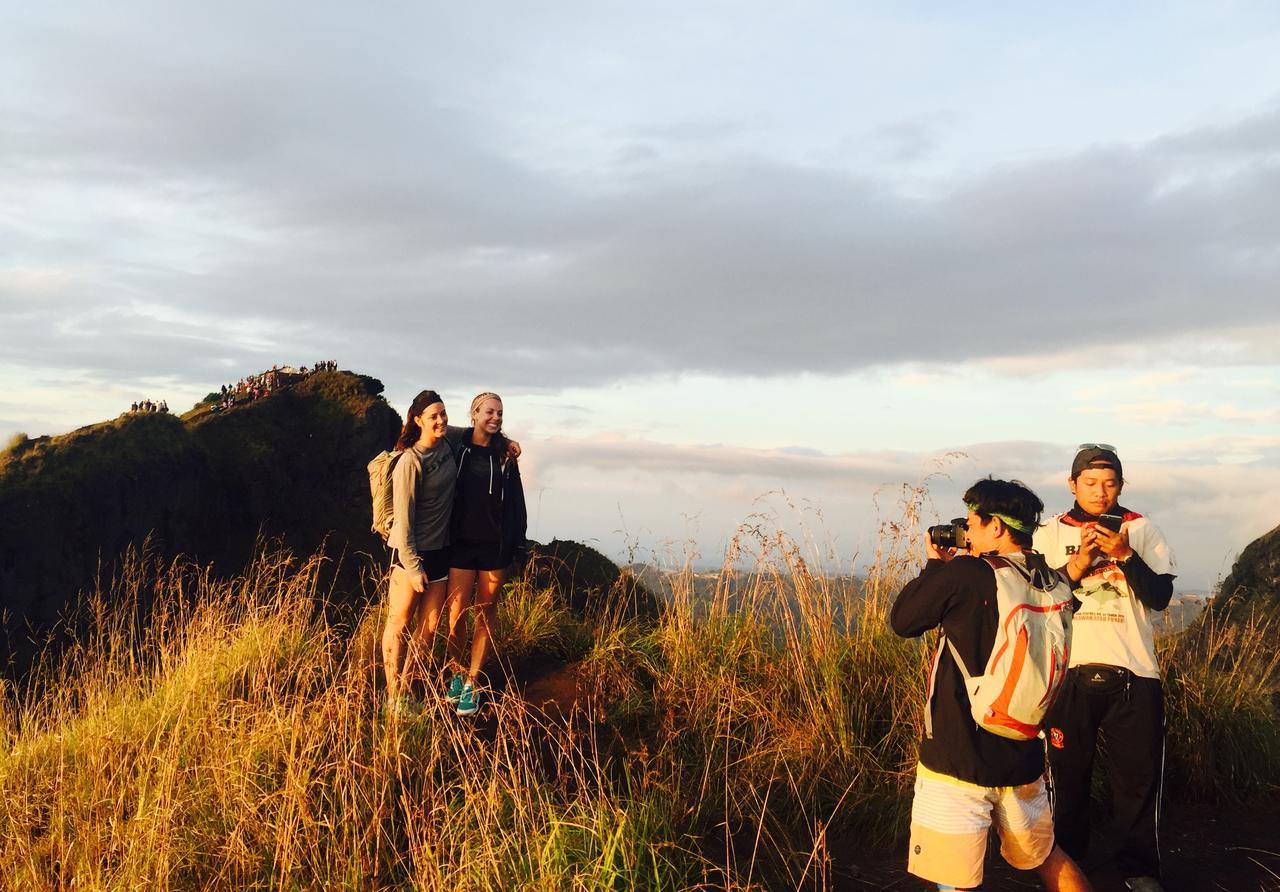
(488, 502)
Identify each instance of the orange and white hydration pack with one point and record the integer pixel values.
(1029, 657)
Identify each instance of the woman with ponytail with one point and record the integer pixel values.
(422, 483)
(487, 531)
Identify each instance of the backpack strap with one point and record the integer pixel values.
(1033, 568)
(933, 680)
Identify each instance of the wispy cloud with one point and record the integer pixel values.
(1179, 412)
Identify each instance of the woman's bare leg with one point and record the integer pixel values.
(422, 639)
(461, 585)
(486, 611)
(401, 600)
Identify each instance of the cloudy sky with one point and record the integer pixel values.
(718, 260)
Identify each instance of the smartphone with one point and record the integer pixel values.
(1110, 521)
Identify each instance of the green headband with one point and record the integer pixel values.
(1020, 525)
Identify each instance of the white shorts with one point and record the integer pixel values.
(950, 819)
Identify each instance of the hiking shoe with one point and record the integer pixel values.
(469, 700)
(1143, 884)
(403, 707)
(454, 692)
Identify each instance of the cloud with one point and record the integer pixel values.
(1207, 449)
(1253, 136)
(780, 465)
(1180, 412)
(326, 191)
(908, 140)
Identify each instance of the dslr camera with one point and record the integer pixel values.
(951, 535)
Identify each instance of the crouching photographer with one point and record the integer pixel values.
(996, 667)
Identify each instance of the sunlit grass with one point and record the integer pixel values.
(235, 739)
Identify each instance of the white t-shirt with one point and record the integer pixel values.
(1112, 626)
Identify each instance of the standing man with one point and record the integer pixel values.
(1123, 569)
(971, 778)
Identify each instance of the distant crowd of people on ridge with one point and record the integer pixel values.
(247, 389)
(253, 387)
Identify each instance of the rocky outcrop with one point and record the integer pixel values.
(589, 581)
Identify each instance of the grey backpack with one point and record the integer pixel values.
(380, 490)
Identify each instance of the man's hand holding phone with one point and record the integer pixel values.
(1082, 560)
(1111, 537)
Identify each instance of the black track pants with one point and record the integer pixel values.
(1132, 724)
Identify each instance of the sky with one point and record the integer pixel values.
(725, 262)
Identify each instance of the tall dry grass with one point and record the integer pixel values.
(235, 741)
(1222, 704)
(761, 738)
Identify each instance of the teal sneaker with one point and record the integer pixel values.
(454, 692)
(469, 701)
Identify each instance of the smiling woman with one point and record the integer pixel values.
(487, 530)
(422, 499)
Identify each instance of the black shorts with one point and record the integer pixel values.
(477, 556)
(435, 563)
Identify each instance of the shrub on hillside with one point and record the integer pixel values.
(16, 445)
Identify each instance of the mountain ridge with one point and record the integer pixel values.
(208, 485)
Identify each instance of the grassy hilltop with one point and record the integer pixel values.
(290, 465)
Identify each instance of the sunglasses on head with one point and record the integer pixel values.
(1107, 446)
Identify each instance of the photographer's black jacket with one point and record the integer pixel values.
(960, 596)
